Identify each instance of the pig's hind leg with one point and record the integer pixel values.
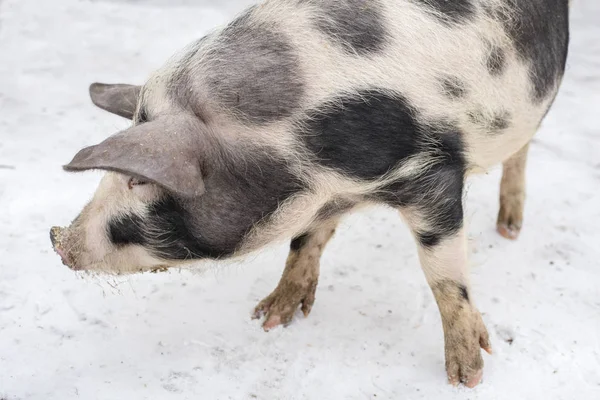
(512, 195)
(445, 267)
(298, 283)
(434, 211)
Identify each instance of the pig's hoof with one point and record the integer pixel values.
(464, 363)
(509, 231)
(510, 218)
(281, 305)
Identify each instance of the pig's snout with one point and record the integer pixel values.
(56, 239)
(54, 232)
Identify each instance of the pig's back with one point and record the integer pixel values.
(489, 69)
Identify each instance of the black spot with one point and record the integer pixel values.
(442, 206)
(499, 122)
(241, 192)
(357, 25)
(463, 292)
(453, 87)
(126, 229)
(451, 291)
(299, 242)
(539, 30)
(365, 135)
(453, 11)
(253, 71)
(165, 231)
(174, 234)
(429, 239)
(496, 61)
(437, 194)
(492, 124)
(447, 172)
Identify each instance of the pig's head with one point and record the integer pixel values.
(171, 194)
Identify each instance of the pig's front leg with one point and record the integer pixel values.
(512, 195)
(298, 283)
(443, 256)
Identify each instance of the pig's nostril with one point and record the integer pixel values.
(53, 236)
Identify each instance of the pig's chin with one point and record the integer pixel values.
(111, 267)
(125, 262)
(104, 268)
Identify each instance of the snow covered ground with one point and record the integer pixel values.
(374, 333)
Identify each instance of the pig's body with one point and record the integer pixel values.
(300, 111)
(264, 78)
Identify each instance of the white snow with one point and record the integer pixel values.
(374, 333)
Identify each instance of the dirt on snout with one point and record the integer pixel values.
(56, 236)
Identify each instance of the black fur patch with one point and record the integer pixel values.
(454, 11)
(254, 71)
(500, 122)
(356, 24)
(165, 231)
(126, 229)
(364, 136)
(368, 135)
(539, 30)
(496, 61)
(451, 290)
(174, 236)
(463, 292)
(299, 242)
(442, 205)
(453, 87)
(239, 195)
(493, 124)
(429, 239)
(437, 194)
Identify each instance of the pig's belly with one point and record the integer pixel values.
(485, 152)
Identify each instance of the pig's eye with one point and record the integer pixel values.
(135, 182)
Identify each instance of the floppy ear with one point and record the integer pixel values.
(166, 151)
(118, 99)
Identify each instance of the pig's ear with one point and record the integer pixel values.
(165, 151)
(118, 99)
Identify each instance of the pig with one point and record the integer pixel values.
(299, 112)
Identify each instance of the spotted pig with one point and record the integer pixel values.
(299, 112)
